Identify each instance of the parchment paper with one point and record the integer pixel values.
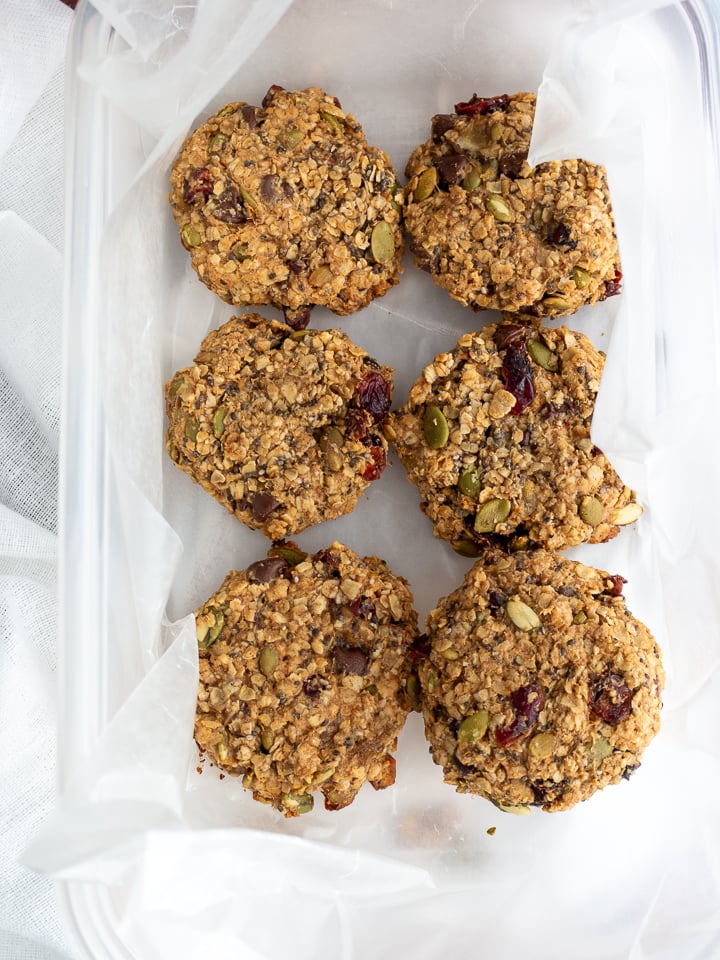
(195, 867)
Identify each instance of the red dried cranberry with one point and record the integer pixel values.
(362, 608)
(507, 333)
(518, 375)
(420, 648)
(373, 395)
(198, 184)
(374, 470)
(350, 659)
(481, 105)
(299, 317)
(527, 702)
(611, 699)
(613, 287)
(358, 424)
(558, 234)
(329, 559)
(616, 585)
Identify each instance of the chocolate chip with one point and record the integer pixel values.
(351, 659)
(454, 167)
(263, 571)
(263, 505)
(441, 123)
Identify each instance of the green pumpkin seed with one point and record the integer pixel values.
(523, 616)
(219, 421)
(426, 184)
(490, 514)
(289, 555)
(267, 660)
(469, 482)
(542, 745)
(435, 427)
(331, 443)
(175, 386)
(519, 809)
(190, 236)
(591, 511)
(298, 802)
(473, 727)
(240, 252)
(554, 304)
(213, 632)
(291, 138)
(248, 199)
(218, 142)
(581, 277)
(466, 548)
(580, 617)
(412, 688)
(542, 355)
(382, 241)
(320, 276)
(191, 429)
(499, 209)
(267, 738)
(600, 749)
(334, 121)
(472, 180)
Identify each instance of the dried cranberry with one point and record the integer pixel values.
(299, 317)
(297, 266)
(229, 207)
(350, 659)
(263, 571)
(373, 395)
(527, 702)
(496, 599)
(198, 184)
(329, 559)
(511, 163)
(558, 234)
(424, 259)
(507, 333)
(362, 608)
(611, 699)
(441, 123)
(374, 470)
(482, 105)
(518, 376)
(358, 424)
(613, 287)
(263, 505)
(453, 168)
(616, 585)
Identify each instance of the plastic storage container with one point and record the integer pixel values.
(153, 860)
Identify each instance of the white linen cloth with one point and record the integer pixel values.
(32, 46)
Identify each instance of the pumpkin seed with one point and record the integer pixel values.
(581, 277)
(554, 304)
(267, 660)
(490, 514)
(412, 688)
(213, 632)
(191, 429)
(426, 183)
(469, 482)
(331, 444)
(542, 355)
(600, 749)
(218, 142)
(298, 803)
(291, 138)
(382, 241)
(466, 548)
(499, 209)
(334, 121)
(289, 554)
(473, 727)
(267, 738)
(219, 421)
(435, 427)
(542, 745)
(190, 236)
(591, 511)
(240, 252)
(580, 617)
(472, 180)
(248, 199)
(523, 616)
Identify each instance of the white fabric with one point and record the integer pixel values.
(32, 44)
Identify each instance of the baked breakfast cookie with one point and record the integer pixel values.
(303, 674)
(496, 437)
(538, 686)
(283, 428)
(287, 204)
(499, 234)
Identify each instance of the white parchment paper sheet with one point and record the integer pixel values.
(195, 867)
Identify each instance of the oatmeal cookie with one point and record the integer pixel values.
(303, 674)
(499, 234)
(283, 428)
(287, 204)
(496, 437)
(539, 687)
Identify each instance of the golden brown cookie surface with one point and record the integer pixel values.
(303, 674)
(287, 204)
(539, 686)
(284, 429)
(496, 437)
(499, 234)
